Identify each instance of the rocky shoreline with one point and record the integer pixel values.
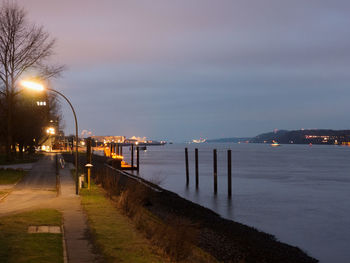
(226, 240)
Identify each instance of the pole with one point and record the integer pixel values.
(132, 155)
(187, 169)
(229, 174)
(76, 137)
(88, 150)
(215, 173)
(89, 174)
(138, 158)
(121, 149)
(117, 148)
(196, 161)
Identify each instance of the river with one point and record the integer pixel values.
(298, 193)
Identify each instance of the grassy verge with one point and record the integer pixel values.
(16, 245)
(10, 176)
(27, 158)
(140, 238)
(115, 235)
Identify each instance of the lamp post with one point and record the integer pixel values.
(39, 87)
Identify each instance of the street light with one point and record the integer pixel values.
(39, 87)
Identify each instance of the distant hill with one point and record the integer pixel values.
(314, 136)
(225, 140)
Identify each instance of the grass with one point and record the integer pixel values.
(16, 245)
(115, 235)
(26, 159)
(10, 176)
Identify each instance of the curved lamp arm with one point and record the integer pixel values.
(76, 138)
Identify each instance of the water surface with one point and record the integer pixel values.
(298, 193)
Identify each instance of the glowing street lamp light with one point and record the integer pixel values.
(35, 86)
(50, 131)
(32, 85)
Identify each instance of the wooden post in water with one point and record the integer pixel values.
(229, 174)
(196, 161)
(132, 155)
(121, 150)
(187, 169)
(138, 158)
(117, 148)
(215, 172)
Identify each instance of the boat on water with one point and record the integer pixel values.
(275, 144)
(200, 140)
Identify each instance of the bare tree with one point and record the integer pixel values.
(23, 47)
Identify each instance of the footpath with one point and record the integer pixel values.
(36, 190)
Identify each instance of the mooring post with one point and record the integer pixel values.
(132, 155)
(187, 169)
(229, 174)
(121, 149)
(117, 148)
(196, 160)
(215, 172)
(138, 158)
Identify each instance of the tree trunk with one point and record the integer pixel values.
(9, 155)
(20, 149)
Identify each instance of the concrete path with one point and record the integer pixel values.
(42, 175)
(37, 190)
(79, 249)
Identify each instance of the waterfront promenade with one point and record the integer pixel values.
(37, 190)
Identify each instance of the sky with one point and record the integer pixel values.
(184, 69)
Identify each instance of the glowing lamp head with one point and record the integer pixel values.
(50, 131)
(32, 85)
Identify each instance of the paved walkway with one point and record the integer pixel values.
(36, 191)
(79, 248)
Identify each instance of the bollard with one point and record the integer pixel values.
(215, 172)
(138, 158)
(229, 174)
(196, 165)
(88, 166)
(187, 169)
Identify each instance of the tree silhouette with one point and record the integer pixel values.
(24, 47)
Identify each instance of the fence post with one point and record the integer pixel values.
(229, 174)
(215, 172)
(196, 161)
(187, 169)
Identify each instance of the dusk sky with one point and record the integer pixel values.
(184, 69)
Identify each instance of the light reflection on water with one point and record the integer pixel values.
(298, 193)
